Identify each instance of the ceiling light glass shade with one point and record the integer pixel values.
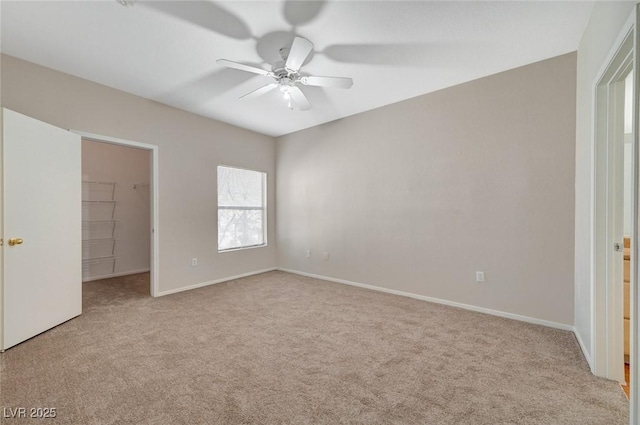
(286, 93)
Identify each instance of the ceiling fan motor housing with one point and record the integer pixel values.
(280, 71)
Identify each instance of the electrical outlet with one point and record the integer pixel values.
(194, 262)
(479, 276)
(308, 253)
(325, 256)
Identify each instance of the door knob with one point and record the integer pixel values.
(15, 241)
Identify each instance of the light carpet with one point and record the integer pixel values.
(278, 348)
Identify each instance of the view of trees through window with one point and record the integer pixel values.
(241, 208)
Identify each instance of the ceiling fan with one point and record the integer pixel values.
(286, 74)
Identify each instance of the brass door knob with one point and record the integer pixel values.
(15, 241)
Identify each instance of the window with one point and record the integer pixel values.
(241, 208)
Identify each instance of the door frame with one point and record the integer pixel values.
(154, 267)
(609, 98)
(1, 228)
(606, 275)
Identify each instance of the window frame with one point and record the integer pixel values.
(263, 209)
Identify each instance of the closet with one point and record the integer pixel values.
(116, 210)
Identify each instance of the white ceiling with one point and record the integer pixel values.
(167, 51)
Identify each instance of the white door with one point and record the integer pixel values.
(42, 275)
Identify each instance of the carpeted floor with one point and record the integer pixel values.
(278, 348)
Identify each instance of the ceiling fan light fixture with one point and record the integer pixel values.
(285, 91)
(286, 74)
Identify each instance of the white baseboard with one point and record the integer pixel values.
(498, 313)
(110, 275)
(583, 347)
(212, 282)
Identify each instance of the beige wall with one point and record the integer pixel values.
(190, 148)
(419, 195)
(607, 20)
(126, 167)
(415, 196)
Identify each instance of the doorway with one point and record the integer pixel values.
(41, 279)
(116, 219)
(124, 175)
(615, 212)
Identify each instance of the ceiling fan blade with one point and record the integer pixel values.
(262, 90)
(300, 49)
(299, 98)
(243, 67)
(337, 82)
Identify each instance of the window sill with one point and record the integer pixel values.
(242, 248)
